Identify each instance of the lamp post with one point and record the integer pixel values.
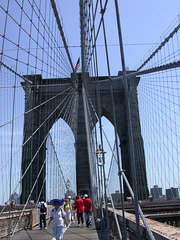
(100, 163)
(100, 153)
(68, 186)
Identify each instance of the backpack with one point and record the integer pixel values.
(43, 208)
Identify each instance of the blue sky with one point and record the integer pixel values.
(142, 22)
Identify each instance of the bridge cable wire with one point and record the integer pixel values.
(36, 181)
(40, 105)
(54, 138)
(114, 119)
(36, 152)
(107, 182)
(57, 159)
(68, 118)
(29, 197)
(130, 133)
(32, 40)
(121, 170)
(95, 50)
(53, 70)
(161, 134)
(95, 67)
(61, 31)
(124, 177)
(163, 102)
(35, 131)
(68, 97)
(84, 57)
(19, 46)
(114, 211)
(97, 33)
(43, 184)
(13, 115)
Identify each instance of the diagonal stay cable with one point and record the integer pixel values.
(35, 131)
(48, 134)
(100, 22)
(68, 109)
(72, 110)
(17, 74)
(22, 212)
(41, 20)
(41, 190)
(49, 130)
(58, 160)
(114, 211)
(163, 117)
(67, 118)
(124, 176)
(61, 32)
(33, 158)
(36, 106)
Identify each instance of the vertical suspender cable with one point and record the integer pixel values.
(99, 113)
(131, 148)
(4, 33)
(130, 135)
(114, 121)
(13, 112)
(14, 88)
(62, 33)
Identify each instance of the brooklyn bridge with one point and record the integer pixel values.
(78, 118)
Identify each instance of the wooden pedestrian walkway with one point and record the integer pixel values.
(72, 233)
(79, 233)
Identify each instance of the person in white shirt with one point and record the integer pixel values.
(58, 216)
(42, 213)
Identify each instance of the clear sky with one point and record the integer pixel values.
(143, 23)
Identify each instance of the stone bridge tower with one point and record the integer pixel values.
(36, 94)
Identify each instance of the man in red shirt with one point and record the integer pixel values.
(80, 210)
(87, 210)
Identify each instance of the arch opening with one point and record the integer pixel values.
(60, 161)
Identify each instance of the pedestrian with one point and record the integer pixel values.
(58, 216)
(70, 201)
(88, 210)
(42, 213)
(72, 207)
(68, 210)
(80, 210)
(74, 210)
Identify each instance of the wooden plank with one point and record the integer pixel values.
(72, 233)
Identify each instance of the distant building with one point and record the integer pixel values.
(172, 193)
(116, 196)
(69, 193)
(156, 192)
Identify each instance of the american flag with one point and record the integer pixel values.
(77, 65)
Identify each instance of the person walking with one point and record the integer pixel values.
(58, 216)
(68, 210)
(88, 210)
(70, 201)
(42, 213)
(80, 210)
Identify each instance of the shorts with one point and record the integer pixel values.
(68, 216)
